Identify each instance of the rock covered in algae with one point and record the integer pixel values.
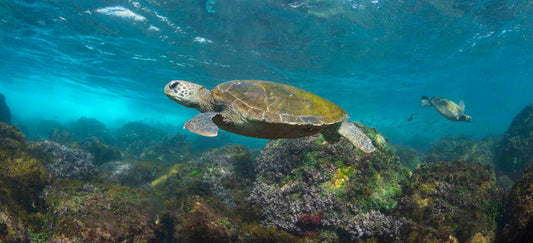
(11, 230)
(516, 150)
(12, 142)
(86, 212)
(134, 137)
(65, 162)
(133, 174)
(87, 128)
(517, 225)
(22, 179)
(298, 179)
(170, 150)
(143, 142)
(456, 200)
(116, 171)
(5, 113)
(225, 173)
(206, 199)
(22, 176)
(101, 151)
(452, 148)
(408, 157)
(203, 223)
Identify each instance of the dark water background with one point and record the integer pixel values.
(110, 60)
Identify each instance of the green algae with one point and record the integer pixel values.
(452, 200)
(75, 209)
(195, 172)
(452, 148)
(22, 178)
(518, 210)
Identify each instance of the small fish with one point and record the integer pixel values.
(412, 117)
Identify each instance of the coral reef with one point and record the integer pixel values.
(517, 224)
(5, 113)
(452, 148)
(65, 162)
(515, 152)
(457, 200)
(82, 212)
(308, 176)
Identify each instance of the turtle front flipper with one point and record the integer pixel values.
(202, 124)
(356, 136)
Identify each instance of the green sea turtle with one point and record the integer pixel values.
(264, 109)
(447, 108)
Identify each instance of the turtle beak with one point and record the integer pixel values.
(171, 86)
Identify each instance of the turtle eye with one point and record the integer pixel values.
(174, 85)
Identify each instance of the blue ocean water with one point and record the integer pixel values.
(110, 60)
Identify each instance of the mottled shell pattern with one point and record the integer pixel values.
(446, 107)
(270, 102)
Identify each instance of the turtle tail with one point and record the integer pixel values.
(425, 102)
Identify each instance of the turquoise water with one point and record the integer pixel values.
(110, 60)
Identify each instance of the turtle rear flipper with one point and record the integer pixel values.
(202, 124)
(356, 136)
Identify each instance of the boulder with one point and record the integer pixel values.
(515, 152)
(5, 113)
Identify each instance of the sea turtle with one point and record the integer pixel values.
(264, 109)
(447, 108)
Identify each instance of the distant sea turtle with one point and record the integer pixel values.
(264, 109)
(447, 108)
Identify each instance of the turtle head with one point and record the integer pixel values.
(465, 117)
(189, 94)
